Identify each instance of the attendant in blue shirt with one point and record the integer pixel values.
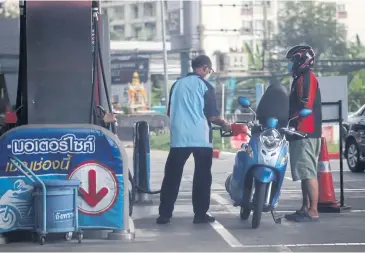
(192, 109)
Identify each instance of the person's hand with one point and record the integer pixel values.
(109, 118)
(227, 127)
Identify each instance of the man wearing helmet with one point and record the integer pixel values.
(304, 153)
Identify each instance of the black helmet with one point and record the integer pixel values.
(301, 56)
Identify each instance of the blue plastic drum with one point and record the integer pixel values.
(61, 201)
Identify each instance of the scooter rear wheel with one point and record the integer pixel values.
(259, 200)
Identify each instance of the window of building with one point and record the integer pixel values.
(119, 10)
(135, 10)
(150, 30)
(117, 13)
(119, 28)
(149, 9)
(246, 26)
(247, 8)
(259, 25)
(281, 5)
(137, 32)
(117, 32)
(246, 4)
(261, 3)
(341, 7)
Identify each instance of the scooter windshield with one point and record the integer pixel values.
(274, 104)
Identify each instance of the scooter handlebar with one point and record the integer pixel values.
(293, 132)
(236, 130)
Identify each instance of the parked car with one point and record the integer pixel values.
(354, 140)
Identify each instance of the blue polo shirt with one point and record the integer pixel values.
(192, 102)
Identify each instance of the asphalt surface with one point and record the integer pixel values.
(334, 233)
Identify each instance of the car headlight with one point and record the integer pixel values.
(270, 139)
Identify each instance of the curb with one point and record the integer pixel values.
(222, 154)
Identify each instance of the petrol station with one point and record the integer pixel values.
(58, 130)
(64, 170)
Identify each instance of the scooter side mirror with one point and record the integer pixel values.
(305, 112)
(244, 102)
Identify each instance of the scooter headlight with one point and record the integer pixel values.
(271, 139)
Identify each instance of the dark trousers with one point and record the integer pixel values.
(201, 183)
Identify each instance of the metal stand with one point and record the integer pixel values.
(125, 234)
(277, 219)
(143, 198)
(141, 164)
(2, 239)
(340, 206)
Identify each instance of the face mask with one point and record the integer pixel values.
(207, 77)
(290, 67)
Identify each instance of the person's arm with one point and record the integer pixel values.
(307, 96)
(211, 109)
(307, 93)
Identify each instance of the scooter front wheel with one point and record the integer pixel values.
(259, 200)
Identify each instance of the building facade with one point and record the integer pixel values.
(135, 20)
(224, 27)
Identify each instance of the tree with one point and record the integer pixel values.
(9, 8)
(312, 23)
(356, 49)
(356, 89)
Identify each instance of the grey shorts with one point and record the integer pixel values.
(304, 154)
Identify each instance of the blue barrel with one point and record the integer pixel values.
(61, 201)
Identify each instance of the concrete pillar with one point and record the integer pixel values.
(127, 19)
(185, 63)
(158, 21)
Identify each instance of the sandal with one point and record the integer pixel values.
(305, 217)
(292, 216)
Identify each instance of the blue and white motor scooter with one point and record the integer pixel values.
(260, 166)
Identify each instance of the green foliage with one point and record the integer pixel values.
(161, 142)
(156, 95)
(255, 57)
(357, 90)
(312, 23)
(356, 49)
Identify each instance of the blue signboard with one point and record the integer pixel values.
(89, 155)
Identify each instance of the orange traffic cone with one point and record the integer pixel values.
(327, 202)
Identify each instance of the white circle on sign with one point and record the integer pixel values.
(102, 194)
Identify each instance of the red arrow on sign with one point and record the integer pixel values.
(92, 198)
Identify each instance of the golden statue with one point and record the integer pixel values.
(137, 95)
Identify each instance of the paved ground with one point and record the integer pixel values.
(334, 233)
